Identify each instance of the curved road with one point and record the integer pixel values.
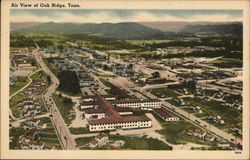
(64, 133)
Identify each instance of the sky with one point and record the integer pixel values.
(116, 16)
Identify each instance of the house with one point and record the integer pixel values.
(36, 145)
(34, 133)
(209, 137)
(99, 140)
(102, 139)
(72, 112)
(190, 132)
(199, 133)
(25, 146)
(165, 115)
(236, 128)
(93, 144)
(48, 147)
(28, 139)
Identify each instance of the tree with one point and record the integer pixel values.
(156, 75)
(49, 80)
(60, 47)
(69, 82)
(130, 66)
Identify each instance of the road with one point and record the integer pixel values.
(63, 131)
(189, 117)
(128, 86)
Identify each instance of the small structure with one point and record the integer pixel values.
(165, 115)
(99, 140)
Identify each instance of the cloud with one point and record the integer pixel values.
(113, 17)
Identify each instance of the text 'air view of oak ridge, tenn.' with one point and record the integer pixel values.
(103, 79)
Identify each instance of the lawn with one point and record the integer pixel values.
(80, 130)
(164, 93)
(218, 109)
(141, 143)
(82, 141)
(227, 63)
(15, 133)
(64, 105)
(131, 142)
(49, 135)
(106, 82)
(175, 133)
(13, 103)
(21, 82)
(210, 92)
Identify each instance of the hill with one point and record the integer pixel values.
(114, 30)
(235, 29)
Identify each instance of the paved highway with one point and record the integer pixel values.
(63, 131)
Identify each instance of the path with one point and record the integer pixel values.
(30, 81)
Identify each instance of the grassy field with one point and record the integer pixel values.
(210, 92)
(106, 82)
(82, 141)
(47, 135)
(141, 143)
(51, 66)
(131, 142)
(164, 92)
(227, 63)
(175, 133)
(80, 130)
(64, 107)
(218, 109)
(21, 82)
(14, 134)
(13, 103)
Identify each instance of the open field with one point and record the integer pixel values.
(21, 82)
(164, 93)
(218, 109)
(64, 105)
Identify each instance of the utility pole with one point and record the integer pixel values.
(66, 141)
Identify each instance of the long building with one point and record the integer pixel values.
(108, 117)
(138, 103)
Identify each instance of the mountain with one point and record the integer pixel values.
(127, 30)
(177, 26)
(234, 29)
(19, 25)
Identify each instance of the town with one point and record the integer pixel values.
(90, 93)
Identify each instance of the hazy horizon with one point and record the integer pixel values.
(119, 16)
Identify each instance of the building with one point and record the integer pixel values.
(108, 117)
(138, 103)
(199, 133)
(165, 115)
(236, 128)
(209, 137)
(95, 114)
(35, 123)
(99, 140)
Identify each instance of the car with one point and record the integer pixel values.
(205, 125)
(51, 115)
(232, 140)
(197, 121)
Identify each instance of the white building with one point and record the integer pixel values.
(95, 114)
(131, 122)
(99, 140)
(138, 103)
